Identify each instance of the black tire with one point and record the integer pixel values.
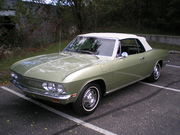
(155, 74)
(88, 99)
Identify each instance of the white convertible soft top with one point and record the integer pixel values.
(119, 36)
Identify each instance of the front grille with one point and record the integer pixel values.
(32, 83)
(29, 82)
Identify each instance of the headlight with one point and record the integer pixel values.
(14, 76)
(60, 88)
(45, 86)
(53, 88)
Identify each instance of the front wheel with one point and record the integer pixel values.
(156, 73)
(88, 99)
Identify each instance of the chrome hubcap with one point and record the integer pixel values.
(90, 99)
(156, 72)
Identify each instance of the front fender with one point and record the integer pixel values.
(75, 82)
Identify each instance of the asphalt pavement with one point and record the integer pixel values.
(139, 109)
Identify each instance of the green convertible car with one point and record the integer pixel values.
(92, 65)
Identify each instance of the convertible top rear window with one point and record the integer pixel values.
(92, 45)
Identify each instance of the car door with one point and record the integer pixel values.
(128, 69)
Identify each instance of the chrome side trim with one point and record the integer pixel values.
(110, 91)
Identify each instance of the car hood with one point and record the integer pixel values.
(53, 67)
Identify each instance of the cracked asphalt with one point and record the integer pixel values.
(138, 109)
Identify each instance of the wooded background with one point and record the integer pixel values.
(37, 23)
(159, 15)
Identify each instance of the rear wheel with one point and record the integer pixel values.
(88, 99)
(156, 73)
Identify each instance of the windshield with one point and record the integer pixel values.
(91, 45)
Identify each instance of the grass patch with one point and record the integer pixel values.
(25, 53)
(4, 79)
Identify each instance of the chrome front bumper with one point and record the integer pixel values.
(62, 99)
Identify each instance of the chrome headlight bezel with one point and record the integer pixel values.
(53, 88)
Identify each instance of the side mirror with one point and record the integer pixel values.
(124, 54)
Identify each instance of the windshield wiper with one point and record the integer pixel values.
(86, 51)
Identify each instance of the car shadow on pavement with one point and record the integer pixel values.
(98, 113)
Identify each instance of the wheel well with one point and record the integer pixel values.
(102, 85)
(161, 63)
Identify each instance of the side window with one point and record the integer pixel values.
(131, 46)
(140, 46)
